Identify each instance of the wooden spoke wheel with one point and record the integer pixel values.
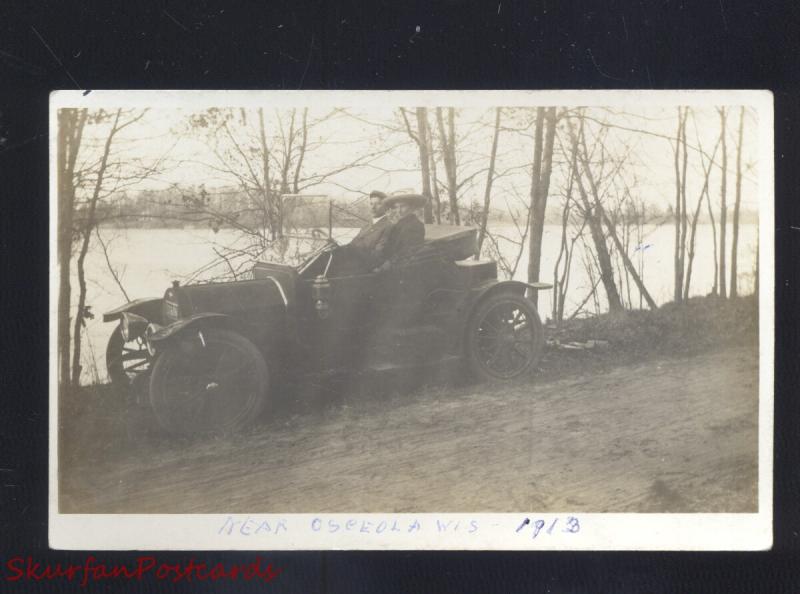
(505, 337)
(127, 363)
(214, 380)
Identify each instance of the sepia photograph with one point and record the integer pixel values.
(402, 304)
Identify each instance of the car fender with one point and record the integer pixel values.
(186, 326)
(513, 286)
(480, 293)
(149, 308)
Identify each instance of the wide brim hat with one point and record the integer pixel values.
(414, 200)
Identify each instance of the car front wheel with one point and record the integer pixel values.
(213, 380)
(505, 337)
(127, 363)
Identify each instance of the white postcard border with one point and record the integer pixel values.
(435, 531)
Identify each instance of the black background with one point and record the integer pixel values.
(373, 45)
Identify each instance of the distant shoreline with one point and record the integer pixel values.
(190, 227)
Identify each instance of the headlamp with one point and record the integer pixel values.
(132, 326)
(149, 331)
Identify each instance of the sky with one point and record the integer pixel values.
(191, 155)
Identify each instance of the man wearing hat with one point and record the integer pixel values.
(407, 233)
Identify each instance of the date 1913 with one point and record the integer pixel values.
(570, 524)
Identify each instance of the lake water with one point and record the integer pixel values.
(147, 260)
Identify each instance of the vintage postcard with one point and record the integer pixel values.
(411, 320)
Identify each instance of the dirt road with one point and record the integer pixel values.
(667, 435)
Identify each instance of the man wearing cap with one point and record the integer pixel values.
(407, 233)
(368, 245)
(371, 237)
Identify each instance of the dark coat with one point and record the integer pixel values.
(405, 236)
(372, 237)
(368, 245)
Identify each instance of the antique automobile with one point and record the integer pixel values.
(210, 357)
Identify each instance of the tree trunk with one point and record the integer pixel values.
(540, 186)
(601, 215)
(684, 217)
(288, 145)
(703, 194)
(626, 241)
(561, 283)
(626, 260)
(536, 175)
(437, 209)
(735, 242)
(448, 140)
(678, 211)
(452, 178)
(70, 132)
(424, 161)
(302, 153)
(563, 254)
(715, 287)
(596, 230)
(66, 199)
(723, 208)
(86, 232)
(487, 194)
(272, 212)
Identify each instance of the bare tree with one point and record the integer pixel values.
(695, 218)
(71, 123)
(735, 243)
(684, 216)
(677, 209)
(723, 207)
(490, 174)
(90, 189)
(265, 158)
(563, 264)
(681, 154)
(115, 275)
(266, 155)
(631, 221)
(455, 150)
(437, 200)
(715, 286)
(447, 139)
(593, 219)
(629, 266)
(274, 212)
(302, 152)
(508, 260)
(87, 220)
(540, 186)
(421, 139)
(590, 264)
(600, 213)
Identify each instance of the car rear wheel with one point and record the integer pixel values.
(214, 380)
(505, 337)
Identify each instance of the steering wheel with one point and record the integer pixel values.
(329, 247)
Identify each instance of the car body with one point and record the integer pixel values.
(210, 356)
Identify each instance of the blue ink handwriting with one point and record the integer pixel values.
(570, 525)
